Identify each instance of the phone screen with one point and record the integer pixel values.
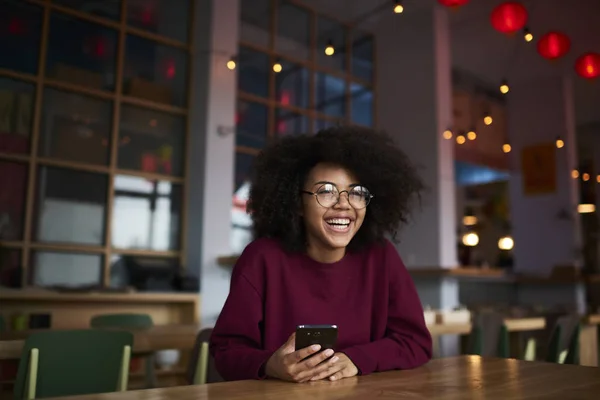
(324, 335)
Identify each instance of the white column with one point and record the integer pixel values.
(414, 105)
(212, 156)
(539, 112)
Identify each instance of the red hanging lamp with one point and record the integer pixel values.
(453, 3)
(509, 17)
(553, 45)
(588, 65)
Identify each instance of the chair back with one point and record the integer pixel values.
(133, 321)
(563, 346)
(489, 336)
(73, 362)
(200, 355)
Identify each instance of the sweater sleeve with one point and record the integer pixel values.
(407, 341)
(236, 343)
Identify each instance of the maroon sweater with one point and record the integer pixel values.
(369, 295)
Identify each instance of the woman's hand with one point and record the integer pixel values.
(343, 368)
(290, 365)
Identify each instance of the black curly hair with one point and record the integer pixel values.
(280, 171)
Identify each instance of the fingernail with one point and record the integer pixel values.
(316, 347)
(334, 359)
(332, 378)
(328, 352)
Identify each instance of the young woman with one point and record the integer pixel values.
(322, 207)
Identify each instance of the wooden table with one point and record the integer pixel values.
(160, 337)
(465, 377)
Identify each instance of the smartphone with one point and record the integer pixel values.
(325, 335)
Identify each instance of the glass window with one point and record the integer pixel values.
(290, 123)
(66, 269)
(10, 268)
(20, 23)
(110, 9)
(70, 206)
(362, 56)
(251, 121)
(256, 22)
(151, 141)
(81, 52)
(164, 17)
(331, 33)
(243, 169)
(75, 128)
(293, 31)
(146, 214)
(13, 197)
(291, 85)
(155, 72)
(123, 276)
(362, 105)
(253, 74)
(330, 94)
(16, 115)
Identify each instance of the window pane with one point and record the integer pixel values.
(70, 206)
(155, 72)
(66, 269)
(107, 8)
(75, 128)
(362, 105)
(253, 75)
(255, 26)
(241, 223)
(16, 115)
(362, 56)
(151, 141)
(251, 125)
(331, 95)
(334, 33)
(123, 273)
(20, 39)
(10, 268)
(290, 123)
(291, 85)
(146, 214)
(293, 30)
(13, 197)
(163, 17)
(81, 52)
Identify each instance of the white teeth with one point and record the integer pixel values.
(339, 221)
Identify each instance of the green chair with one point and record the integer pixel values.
(489, 336)
(563, 347)
(130, 321)
(202, 369)
(65, 363)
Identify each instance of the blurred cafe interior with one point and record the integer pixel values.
(128, 129)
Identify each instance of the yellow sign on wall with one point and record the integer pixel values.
(538, 165)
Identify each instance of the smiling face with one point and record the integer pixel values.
(330, 229)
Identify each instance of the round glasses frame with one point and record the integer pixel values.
(368, 197)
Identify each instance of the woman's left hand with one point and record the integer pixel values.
(343, 368)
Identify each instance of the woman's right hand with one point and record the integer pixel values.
(290, 365)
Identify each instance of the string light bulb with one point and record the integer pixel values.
(472, 135)
(560, 143)
(598, 178)
(329, 50)
(231, 64)
(398, 8)
(506, 148)
(585, 177)
(504, 88)
(277, 67)
(574, 174)
(527, 35)
(448, 134)
(460, 139)
(487, 119)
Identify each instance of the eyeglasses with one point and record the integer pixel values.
(328, 195)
